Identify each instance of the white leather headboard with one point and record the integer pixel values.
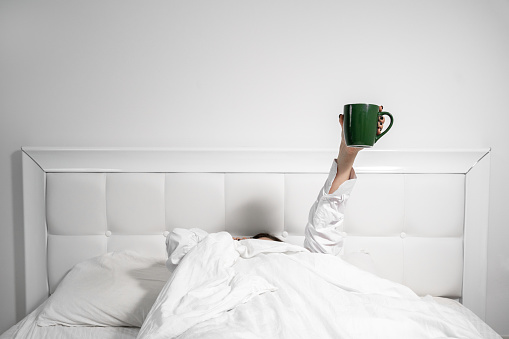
(421, 215)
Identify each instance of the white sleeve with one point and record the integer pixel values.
(325, 223)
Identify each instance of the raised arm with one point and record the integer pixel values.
(345, 160)
(347, 155)
(325, 224)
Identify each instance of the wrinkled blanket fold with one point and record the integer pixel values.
(262, 289)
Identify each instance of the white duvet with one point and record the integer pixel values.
(224, 288)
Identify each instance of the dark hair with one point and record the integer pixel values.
(266, 235)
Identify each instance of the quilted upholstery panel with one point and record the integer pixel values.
(435, 205)
(135, 203)
(76, 203)
(376, 206)
(195, 200)
(411, 225)
(301, 191)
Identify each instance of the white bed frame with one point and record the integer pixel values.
(422, 216)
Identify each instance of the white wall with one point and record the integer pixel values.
(250, 73)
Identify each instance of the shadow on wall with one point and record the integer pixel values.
(18, 233)
(255, 217)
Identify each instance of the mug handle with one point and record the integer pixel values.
(388, 128)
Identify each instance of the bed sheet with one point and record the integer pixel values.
(61, 332)
(483, 328)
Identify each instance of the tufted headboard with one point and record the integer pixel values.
(422, 216)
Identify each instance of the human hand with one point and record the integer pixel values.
(381, 120)
(240, 238)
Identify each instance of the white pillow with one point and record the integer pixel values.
(114, 289)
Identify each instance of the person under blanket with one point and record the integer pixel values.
(323, 233)
(261, 236)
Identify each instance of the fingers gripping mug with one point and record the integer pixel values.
(360, 124)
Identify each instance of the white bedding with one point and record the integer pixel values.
(62, 332)
(485, 331)
(28, 329)
(263, 289)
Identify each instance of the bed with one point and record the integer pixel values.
(96, 221)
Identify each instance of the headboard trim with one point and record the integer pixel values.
(248, 160)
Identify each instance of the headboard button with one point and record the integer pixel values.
(108, 233)
(284, 234)
(165, 233)
(402, 235)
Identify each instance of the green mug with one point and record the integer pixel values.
(360, 124)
